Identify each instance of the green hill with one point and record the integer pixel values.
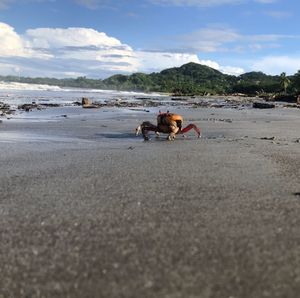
(255, 82)
(188, 79)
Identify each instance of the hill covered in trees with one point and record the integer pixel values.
(189, 79)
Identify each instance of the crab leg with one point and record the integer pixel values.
(189, 127)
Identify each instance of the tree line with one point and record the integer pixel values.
(189, 79)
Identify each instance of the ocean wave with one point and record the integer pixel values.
(29, 87)
(40, 87)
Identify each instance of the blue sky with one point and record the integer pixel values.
(98, 38)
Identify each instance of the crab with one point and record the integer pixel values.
(168, 123)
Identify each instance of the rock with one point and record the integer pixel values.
(86, 101)
(28, 107)
(51, 105)
(263, 105)
(5, 110)
(91, 106)
(286, 98)
(268, 138)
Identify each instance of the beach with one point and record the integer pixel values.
(90, 210)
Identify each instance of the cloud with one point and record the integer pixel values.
(5, 3)
(214, 39)
(277, 64)
(230, 70)
(11, 43)
(279, 14)
(94, 4)
(208, 39)
(58, 52)
(91, 4)
(156, 61)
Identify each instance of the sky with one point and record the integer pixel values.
(99, 38)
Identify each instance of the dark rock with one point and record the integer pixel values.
(51, 105)
(91, 106)
(286, 98)
(28, 107)
(268, 138)
(263, 105)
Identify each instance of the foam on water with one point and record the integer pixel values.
(19, 93)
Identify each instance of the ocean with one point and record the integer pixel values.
(15, 94)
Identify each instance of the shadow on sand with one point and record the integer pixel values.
(132, 136)
(116, 135)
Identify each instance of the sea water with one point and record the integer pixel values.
(15, 94)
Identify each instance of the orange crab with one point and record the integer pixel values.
(166, 123)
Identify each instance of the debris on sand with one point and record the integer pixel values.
(268, 138)
(5, 109)
(27, 107)
(263, 105)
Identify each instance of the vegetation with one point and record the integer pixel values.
(189, 79)
(284, 82)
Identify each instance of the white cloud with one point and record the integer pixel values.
(76, 37)
(231, 70)
(67, 52)
(11, 43)
(209, 39)
(277, 64)
(60, 52)
(213, 39)
(156, 61)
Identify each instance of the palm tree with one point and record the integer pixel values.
(297, 80)
(284, 82)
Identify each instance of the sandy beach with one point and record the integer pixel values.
(89, 210)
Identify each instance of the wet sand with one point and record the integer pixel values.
(89, 210)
